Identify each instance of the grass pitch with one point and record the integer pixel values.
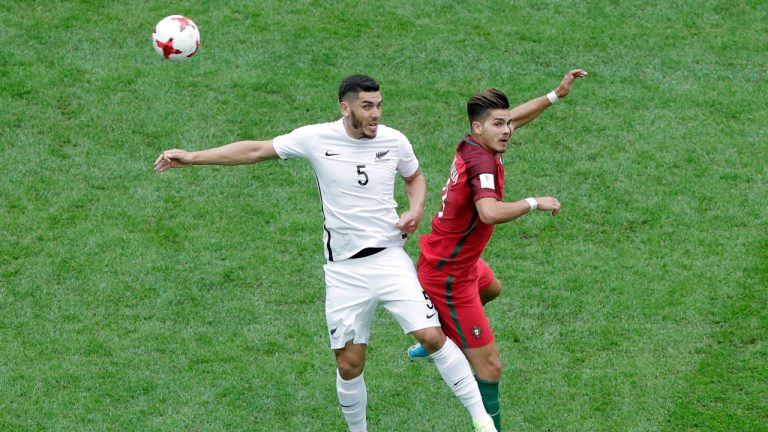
(193, 300)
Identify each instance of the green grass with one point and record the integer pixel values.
(193, 300)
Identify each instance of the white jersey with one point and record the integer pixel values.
(356, 178)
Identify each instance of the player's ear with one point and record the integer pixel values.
(344, 107)
(477, 128)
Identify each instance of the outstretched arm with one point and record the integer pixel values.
(525, 113)
(237, 153)
(491, 211)
(416, 191)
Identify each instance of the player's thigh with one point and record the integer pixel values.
(466, 314)
(461, 312)
(401, 294)
(349, 305)
(485, 276)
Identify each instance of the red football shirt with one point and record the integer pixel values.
(458, 235)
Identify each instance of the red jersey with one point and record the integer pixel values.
(458, 235)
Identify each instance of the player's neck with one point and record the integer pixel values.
(479, 141)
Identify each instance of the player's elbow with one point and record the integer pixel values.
(488, 217)
(489, 220)
(260, 151)
(255, 157)
(488, 210)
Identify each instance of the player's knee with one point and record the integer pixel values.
(495, 368)
(349, 369)
(431, 338)
(350, 365)
(490, 293)
(489, 370)
(487, 363)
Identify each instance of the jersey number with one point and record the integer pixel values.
(363, 176)
(443, 196)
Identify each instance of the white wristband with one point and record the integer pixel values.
(552, 96)
(532, 202)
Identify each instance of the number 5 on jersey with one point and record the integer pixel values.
(362, 175)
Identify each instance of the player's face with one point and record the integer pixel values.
(362, 115)
(494, 131)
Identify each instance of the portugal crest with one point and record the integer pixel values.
(476, 331)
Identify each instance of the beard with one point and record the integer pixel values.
(357, 125)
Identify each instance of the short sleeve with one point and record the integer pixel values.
(482, 175)
(407, 165)
(295, 144)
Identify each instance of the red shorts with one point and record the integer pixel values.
(457, 301)
(485, 276)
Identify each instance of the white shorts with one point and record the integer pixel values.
(354, 287)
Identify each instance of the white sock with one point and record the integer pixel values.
(353, 398)
(456, 372)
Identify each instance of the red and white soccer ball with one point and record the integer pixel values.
(176, 38)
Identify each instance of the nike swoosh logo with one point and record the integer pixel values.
(459, 381)
(349, 406)
(430, 316)
(331, 154)
(334, 331)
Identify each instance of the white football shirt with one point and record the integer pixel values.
(356, 179)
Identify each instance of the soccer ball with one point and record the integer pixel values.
(176, 38)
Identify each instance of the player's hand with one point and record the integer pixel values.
(172, 159)
(548, 204)
(409, 221)
(565, 85)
